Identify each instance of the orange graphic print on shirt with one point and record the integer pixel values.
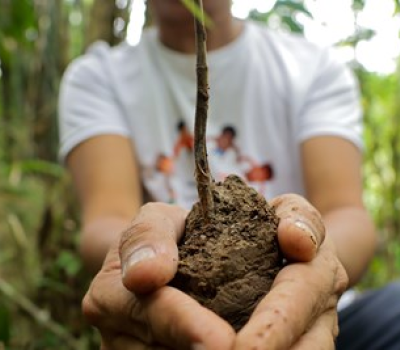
(224, 156)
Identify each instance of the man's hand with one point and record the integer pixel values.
(133, 308)
(299, 313)
(145, 261)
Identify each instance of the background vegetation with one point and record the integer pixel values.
(41, 278)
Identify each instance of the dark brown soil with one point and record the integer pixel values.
(229, 264)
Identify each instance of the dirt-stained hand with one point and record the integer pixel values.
(131, 305)
(129, 302)
(299, 313)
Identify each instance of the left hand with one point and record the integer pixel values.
(299, 313)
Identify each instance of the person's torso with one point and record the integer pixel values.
(254, 97)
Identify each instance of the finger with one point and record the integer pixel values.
(148, 249)
(322, 334)
(301, 230)
(300, 293)
(122, 342)
(167, 316)
(182, 323)
(108, 305)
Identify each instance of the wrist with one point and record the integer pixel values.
(97, 238)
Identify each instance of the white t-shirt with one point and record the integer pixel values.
(268, 93)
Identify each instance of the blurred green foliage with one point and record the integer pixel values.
(382, 169)
(41, 277)
(283, 15)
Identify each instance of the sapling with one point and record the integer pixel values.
(229, 254)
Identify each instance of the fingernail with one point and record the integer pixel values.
(307, 229)
(198, 346)
(141, 254)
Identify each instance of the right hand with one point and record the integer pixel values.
(129, 302)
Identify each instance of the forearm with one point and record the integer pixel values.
(97, 237)
(353, 233)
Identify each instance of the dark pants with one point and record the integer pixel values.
(372, 322)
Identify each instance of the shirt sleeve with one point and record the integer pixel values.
(88, 105)
(332, 103)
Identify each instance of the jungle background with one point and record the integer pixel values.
(41, 277)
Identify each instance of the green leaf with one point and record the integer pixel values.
(361, 35)
(196, 11)
(292, 5)
(293, 25)
(69, 262)
(358, 5)
(397, 2)
(16, 17)
(42, 167)
(286, 12)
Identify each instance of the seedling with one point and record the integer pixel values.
(229, 254)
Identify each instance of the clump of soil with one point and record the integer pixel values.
(229, 263)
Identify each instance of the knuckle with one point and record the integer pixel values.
(172, 216)
(91, 309)
(154, 221)
(342, 279)
(284, 202)
(134, 234)
(151, 206)
(158, 207)
(138, 230)
(294, 205)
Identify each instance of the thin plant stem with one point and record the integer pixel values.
(202, 173)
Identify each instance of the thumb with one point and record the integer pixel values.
(301, 230)
(148, 248)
